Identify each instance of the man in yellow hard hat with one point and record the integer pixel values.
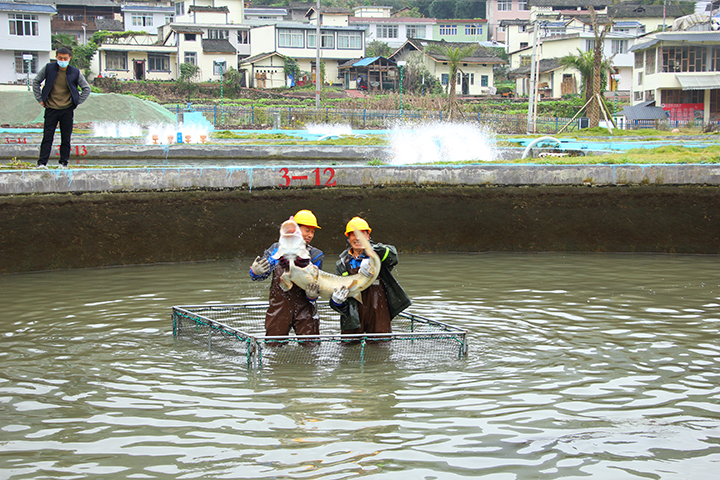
(296, 308)
(382, 300)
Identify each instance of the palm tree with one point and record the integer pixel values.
(584, 62)
(454, 57)
(64, 40)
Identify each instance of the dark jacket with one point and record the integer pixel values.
(396, 296)
(74, 78)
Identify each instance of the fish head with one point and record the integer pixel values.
(291, 243)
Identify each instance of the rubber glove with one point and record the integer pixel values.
(260, 266)
(312, 291)
(339, 295)
(365, 267)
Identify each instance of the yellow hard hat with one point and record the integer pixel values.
(357, 223)
(306, 217)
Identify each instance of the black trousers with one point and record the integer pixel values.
(52, 118)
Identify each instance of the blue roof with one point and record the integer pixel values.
(24, 7)
(365, 61)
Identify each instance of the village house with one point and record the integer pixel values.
(498, 12)
(460, 30)
(679, 71)
(212, 38)
(82, 18)
(144, 17)
(271, 44)
(25, 41)
(380, 25)
(476, 71)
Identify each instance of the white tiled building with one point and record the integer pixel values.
(25, 34)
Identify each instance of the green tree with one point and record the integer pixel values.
(442, 9)
(63, 40)
(188, 71)
(376, 48)
(454, 56)
(469, 9)
(417, 78)
(583, 62)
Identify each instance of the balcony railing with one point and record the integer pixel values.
(56, 25)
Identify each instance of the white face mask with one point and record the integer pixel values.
(63, 64)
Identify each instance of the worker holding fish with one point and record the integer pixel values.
(382, 300)
(291, 307)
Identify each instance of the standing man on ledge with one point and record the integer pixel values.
(60, 97)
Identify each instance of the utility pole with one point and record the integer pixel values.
(317, 56)
(532, 98)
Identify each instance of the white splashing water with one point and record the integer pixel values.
(328, 129)
(440, 142)
(117, 130)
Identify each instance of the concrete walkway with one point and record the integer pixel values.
(18, 182)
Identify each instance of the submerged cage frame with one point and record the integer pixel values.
(239, 330)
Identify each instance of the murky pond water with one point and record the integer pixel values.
(602, 366)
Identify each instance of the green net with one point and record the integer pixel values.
(239, 330)
(21, 109)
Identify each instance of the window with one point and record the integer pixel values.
(618, 46)
(638, 59)
(525, 60)
(471, 77)
(219, 67)
(169, 19)
(350, 40)
(415, 31)
(243, 37)
(218, 34)
(684, 59)
(715, 60)
(21, 66)
(191, 57)
(589, 45)
(190, 37)
(640, 78)
(523, 5)
(387, 31)
(142, 20)
(445, 78)
(484, 80)
(637, 96)
(23, 25)
(448, 29)
(650, 62)
(327, 40)
(523, 45)
(504, 5)
(649, 95)
(290, 38)
(115, 61)
(179, 8)
(682, 96)
(158, 63)
(473, 29)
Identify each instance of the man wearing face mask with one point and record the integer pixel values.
(60, 97)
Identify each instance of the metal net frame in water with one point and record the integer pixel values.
(239, 330)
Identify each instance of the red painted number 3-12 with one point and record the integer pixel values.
(328, 173)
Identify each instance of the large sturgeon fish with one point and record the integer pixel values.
(292, 245)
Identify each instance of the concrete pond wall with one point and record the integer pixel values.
(103, 217)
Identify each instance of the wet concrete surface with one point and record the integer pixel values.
(77, 230)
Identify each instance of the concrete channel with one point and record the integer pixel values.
(91, 217)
